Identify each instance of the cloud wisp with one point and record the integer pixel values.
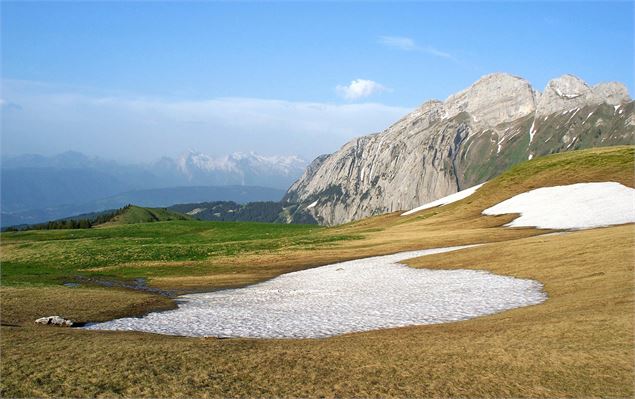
(360, 88)
(399, 42)
(55, 119)
(409, 44)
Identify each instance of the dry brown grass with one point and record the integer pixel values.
(21, 306)
(579, 343)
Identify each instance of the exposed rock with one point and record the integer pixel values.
(493, 99)
(569, 92)
(54, 321)
(443, 147)
(612, 93)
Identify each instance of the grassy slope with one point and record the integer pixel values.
(153, 250)
(579, 343)
(137, 214)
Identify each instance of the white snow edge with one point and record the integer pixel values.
(445, 200)
(574, 206)
(359, 295)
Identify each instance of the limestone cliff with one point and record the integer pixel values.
(443, 147)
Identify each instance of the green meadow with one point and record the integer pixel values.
(54, 256)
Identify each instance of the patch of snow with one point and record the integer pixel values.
(532, 131)
(616, 107)
(445, 200)
(561, 93)
(572, 142)
(313, 204)
(588, 116)
(573, 114)
(359, 295)
(575, 206)
(196, 211)
(530, 156)
(468, 148)
(500, 145)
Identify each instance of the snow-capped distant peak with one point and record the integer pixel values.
(197, 160)
(241, 168)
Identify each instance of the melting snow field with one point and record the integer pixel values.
(445, 200)
(575, 206)
(359, 295)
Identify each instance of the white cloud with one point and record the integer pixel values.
(436, 52)
(55, 119)
(409, 44)
(402, 43)
(359, 88)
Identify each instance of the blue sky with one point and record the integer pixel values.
(277, 78)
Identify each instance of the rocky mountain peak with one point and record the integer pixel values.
(427, 113)
(441, 147)
(613, 93)
(570, 92)
(568, 87)
(493, 99)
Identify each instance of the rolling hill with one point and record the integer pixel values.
(135, 214)
(38, 188)
(159, 197)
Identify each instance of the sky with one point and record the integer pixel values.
(134, 81)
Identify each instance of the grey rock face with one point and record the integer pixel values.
(443, 147)
(569, 92)
(613, 93)
(493, 99)
(54, 321)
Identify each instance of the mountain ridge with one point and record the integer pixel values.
(189, 168)
(37, 188)
(160, 197)
(475, 134)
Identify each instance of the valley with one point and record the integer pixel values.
(292, 199)
(551, 349)
(39, 188)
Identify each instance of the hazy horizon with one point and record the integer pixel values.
(134, 82)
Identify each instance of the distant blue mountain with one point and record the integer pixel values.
(158, 197)
(37, 188)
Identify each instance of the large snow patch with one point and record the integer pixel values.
(358, 295)
(445, 200)
(575, 206)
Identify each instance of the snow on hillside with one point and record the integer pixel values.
(445, 200)
(575, 206)
(359, 295)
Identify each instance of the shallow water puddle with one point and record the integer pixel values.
(359, 295)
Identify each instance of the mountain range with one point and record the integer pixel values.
(438, 149)
(445, 146)
(37, 188)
